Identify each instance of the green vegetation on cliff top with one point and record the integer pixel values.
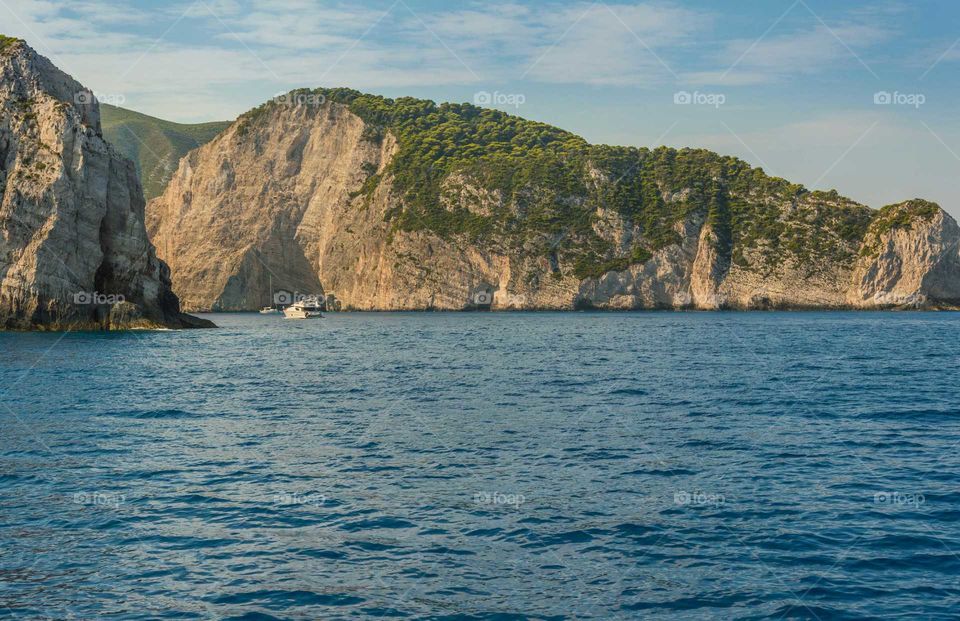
(154, 145)
(901, 216)
(7, 43)
(552, 185)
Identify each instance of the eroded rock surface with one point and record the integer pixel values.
(74, 253)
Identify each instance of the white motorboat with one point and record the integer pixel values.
(307, 308)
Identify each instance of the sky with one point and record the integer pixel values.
(855, 96)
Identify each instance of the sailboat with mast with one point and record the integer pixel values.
(270, 310)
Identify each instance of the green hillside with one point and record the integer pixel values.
(154, 145)
(552, 184)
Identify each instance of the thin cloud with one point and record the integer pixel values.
(304, 26)
(108, 13)
(810, 51)
(607, 44)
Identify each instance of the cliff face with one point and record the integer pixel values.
(74, 253)
(274, 201)
(910, 258)
(402, 204)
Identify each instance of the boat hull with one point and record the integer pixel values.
(297, 314)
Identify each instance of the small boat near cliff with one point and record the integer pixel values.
(272, 308)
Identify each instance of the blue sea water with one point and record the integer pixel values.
(485, 466)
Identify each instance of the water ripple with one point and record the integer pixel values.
(495, 466)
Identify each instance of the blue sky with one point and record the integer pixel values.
(789, 85)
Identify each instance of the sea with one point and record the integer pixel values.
(487, 466)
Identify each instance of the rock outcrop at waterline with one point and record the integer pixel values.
(74, 252)
(407, 205)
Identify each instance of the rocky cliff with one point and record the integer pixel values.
(909, 259)
(404, 204)
(74, 252)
